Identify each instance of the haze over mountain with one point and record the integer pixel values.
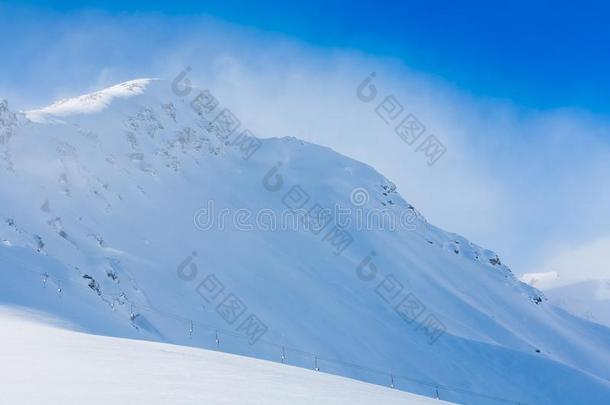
(143, 211)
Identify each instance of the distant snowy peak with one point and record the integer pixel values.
(543, 280)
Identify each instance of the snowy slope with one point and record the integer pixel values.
(67, 367)
(587, 299)
(104, 199)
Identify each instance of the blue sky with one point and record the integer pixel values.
(539, 54)
(518, 93)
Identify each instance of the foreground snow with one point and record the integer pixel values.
(45, 364)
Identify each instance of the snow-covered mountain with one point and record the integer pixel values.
(145, 210)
